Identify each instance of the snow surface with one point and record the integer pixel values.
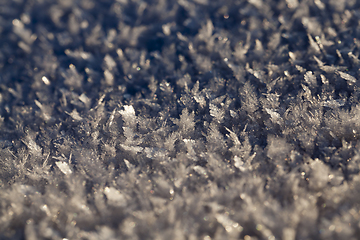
(179, 119)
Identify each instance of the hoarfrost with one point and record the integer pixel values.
(110, 62)
(75, 115)
(45, 80)
(206, 31)
(72, 77)
(310, 78)
(128, 164)
(186, 122)
(188, 119)
(200, 170)
(45, 111)
(216, 112)
(239, 163)
(354, 59)
(289, 233)
(319, 175)
(128, 115)
(249, 98)
(347, 77)
(334, 103)
(275, 117)
(128, 112)
(278, 148)
(64, 167)
(33, 147)
(79, 55)
(83, 98)
(163, 189)
(134, 149)
(109, 78)
(114, 197)
(313, 44)
(229, 225)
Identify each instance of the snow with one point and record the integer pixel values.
(190, 119)
(347, 77)
(64, 167)
(114, 196)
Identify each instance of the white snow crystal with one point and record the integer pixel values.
(238, 163)
(257, 3)
(128, 115)
(72, 78)
(310, 78)
(229, 225)
(44, 110)
(289, 234)
(319, 176)
(216, 112)
(200, 100)
(319, 4)
(109, 61)
(83, 98)
(275, 117)
(292, 3)
(347, 77)
(200, 170)
(207, 30)
(75, 115)
(114, 197)
(128, 164)
(45, 80)
(313, 44)
(33, 147)
(128, 111)
(134, 149)
(109, 77)
(334, 103)
(186, 122)
(233, 114)
(64, 167)
(189, 143)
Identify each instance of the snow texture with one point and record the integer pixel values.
(179, 119)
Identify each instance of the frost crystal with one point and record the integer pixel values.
(347, 77)
(179, 119)
(72, 77)
(334, 103)
(64, 167)
(275, 117)
(310, 78)
(228, 224)
(128, 113)
(114, 197)
(216, 112)
(75, 115)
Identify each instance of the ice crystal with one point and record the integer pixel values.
(114, 197)
(64, 167)
(189, 119)
(347, 77)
